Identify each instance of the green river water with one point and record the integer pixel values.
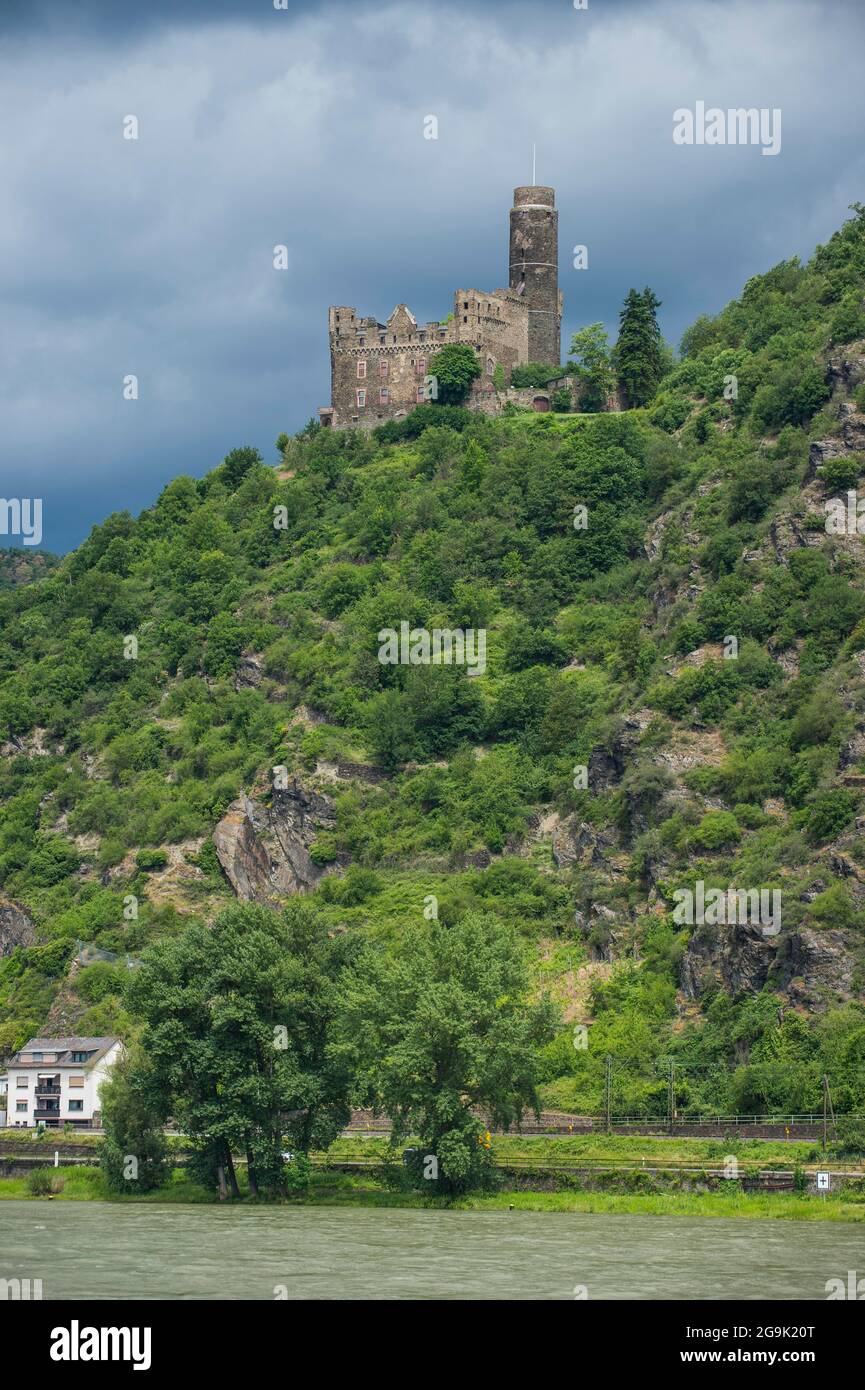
(98, 1250)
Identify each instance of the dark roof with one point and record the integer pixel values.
(62, 1048)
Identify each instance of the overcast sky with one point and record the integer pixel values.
(304, 127)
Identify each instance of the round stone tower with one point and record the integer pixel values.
(534, 268)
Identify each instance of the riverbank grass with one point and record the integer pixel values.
(78, 1184)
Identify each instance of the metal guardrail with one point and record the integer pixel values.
(773, 1119)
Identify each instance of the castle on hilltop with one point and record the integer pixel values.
(378, 370)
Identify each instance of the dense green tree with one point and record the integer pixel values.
(592, 355)
(239, 1037)
(454, 367)
(638, 357)
(446, 1041)
(534, 373)
(238, 462)
(134, 1152)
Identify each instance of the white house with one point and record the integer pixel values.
(55, 1081)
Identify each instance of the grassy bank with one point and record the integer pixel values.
(329, 1188)
(78, 1184)
(630, 1149)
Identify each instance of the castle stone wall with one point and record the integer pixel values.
(378, 369)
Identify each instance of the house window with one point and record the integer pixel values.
(76, 1081)
(79, 1056)
(37, 1056)
(23, 1082)
(383, 367)
(361, 370)
(361, 398)
(383, 396)
(21, 1106)
(76, 1105)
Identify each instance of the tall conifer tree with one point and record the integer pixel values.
(638, 356)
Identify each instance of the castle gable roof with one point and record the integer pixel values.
(402, 315)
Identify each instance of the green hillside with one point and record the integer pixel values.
(256, 596)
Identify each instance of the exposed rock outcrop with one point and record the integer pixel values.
(819, 452)
(264, 850)
(607, 764)
(575, 842)
(736, 957)
(249, 673)
(844, 373)
(16, 928)
(819, 967)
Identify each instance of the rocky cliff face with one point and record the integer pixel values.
(16, 928)
(264, 850)
(735, 957)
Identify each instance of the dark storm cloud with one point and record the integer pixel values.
(259, 128)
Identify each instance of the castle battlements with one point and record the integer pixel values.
(378, 369)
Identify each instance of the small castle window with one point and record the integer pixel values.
(490, 366)
(383, 366)
(394, 337)
(383, 396)
(361, 398)
(465, 304)
(421, 394)
(361, 369)
(421, 366)
(465, 318)
(381, 337)
(361, 341)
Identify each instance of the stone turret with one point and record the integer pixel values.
(534, 268)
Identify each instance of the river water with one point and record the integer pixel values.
(96, 1250)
